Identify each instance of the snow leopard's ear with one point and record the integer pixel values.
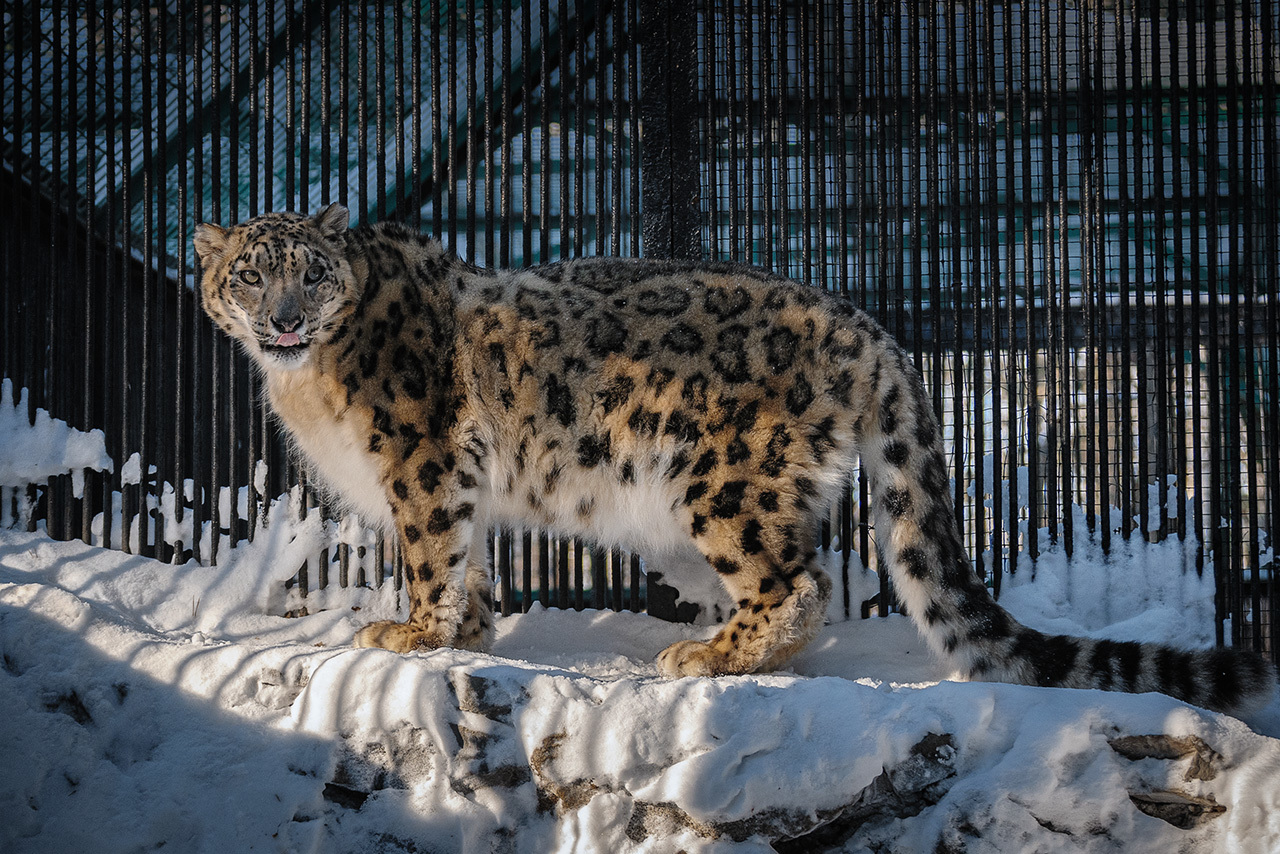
(210, 242)
(332, 221)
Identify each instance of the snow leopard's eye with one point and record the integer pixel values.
(250, 278)
(314, 273)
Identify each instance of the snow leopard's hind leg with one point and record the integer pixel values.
(765, 558)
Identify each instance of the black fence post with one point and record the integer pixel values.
(669, 188)
(670, 222)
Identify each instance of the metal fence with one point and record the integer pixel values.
(1067, 212)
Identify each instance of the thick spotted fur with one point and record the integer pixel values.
(642, 403)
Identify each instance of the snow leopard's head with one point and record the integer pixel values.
(280, 283)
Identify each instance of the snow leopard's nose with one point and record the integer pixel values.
(287, 316)
(286, 322)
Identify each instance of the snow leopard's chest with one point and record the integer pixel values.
(334, 440)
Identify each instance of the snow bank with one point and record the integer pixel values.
(134, 717)
(49, 447)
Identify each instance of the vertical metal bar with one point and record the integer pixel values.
(439, 179)
(58, 511)
(992, 317)
(415, 135)
(182, 355)
(669, 154)
(261, 148)
(599, 579)
(110, 286)
(1150, 114)
(526, 136)
(708, 86)
(635, 158)
(1239, 452)
(132, 492)
(1064, 296)
(562, 573)
(754, 148)
(1249, 305)
(1014, 83)
(398, 111)
(1090, 289)
(234, 376)
(526, 569)
(615, 577)
(326, 108)
(565, 128)
(98, 489)
(1053, 118)
(168, 304)
(253, 107)
(721, 23)
(1271, 275)
(601, 239)
(469, 148)
(201, 362)
(958, 152)
(582, 238)
(148, 387)
(344, 109)
(503, 565)
(613, 142)
(1101, 352)
(812, 61)
(840, 29)
(1179, 422)
(545, 560)
(976, 15)
(579, 576)
(1031, 428)
(1196, 215)
(450, 82)
(378, 33)
(296, 150)
(782, 138)
(1084, 485)
(1159, 456)
(362, 111)
(217, 347)
(37, 302)
(1220, 478)
(636, 602)
(544, 130)
(504, 165)
(1131, 222)
(770, 248)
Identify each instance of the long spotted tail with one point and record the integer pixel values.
(952, 608)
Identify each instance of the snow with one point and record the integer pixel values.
(148, 705)
(29, 453)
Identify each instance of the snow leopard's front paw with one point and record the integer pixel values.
(399, 637)
(693, 658)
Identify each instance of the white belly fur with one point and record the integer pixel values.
(641, 516)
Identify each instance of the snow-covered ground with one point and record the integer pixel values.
(146, 706)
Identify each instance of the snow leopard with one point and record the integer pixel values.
(652, 404)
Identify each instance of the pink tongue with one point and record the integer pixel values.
(288, 339)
